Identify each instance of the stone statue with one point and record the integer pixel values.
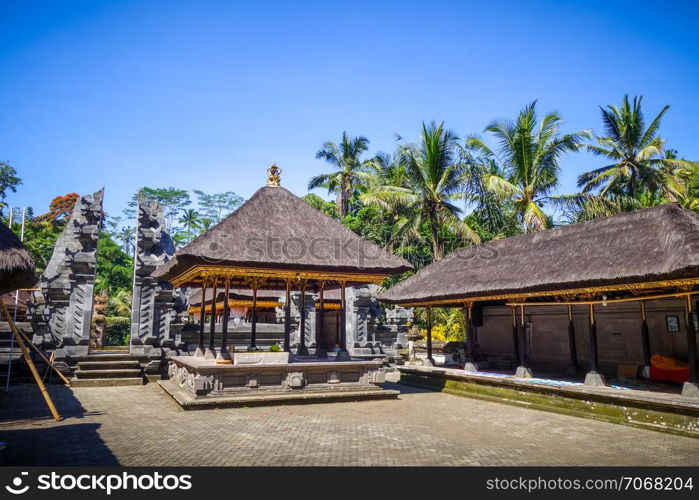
(61, 313)
(158, 312)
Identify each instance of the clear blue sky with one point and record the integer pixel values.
(205, 95)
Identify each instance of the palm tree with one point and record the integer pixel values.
(191, 220)
(636, 153)
(529, 156)
(431, 182)
(126, 237)
(352, 170)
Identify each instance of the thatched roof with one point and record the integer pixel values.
(16, 265)
(655, 244)
(275, 229)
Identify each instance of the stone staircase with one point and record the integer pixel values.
(107, 368)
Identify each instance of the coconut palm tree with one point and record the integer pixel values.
(635, 152)
(191, 219)
(431, 182)
(529, 154)
(126, 238)
(352, 170)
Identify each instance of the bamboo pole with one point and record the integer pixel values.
(29, 361)
(47, 361)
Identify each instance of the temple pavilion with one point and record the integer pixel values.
(587, 270)
(274, 242)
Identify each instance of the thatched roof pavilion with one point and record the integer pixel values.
(635, 256)
(277, 241)
(16, 265)
(634, 251)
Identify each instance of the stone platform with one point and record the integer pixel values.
(271, 378)
(658, 411)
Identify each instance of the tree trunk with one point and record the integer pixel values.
(437, 251)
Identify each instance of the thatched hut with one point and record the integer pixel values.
(16, 265)
(634, 256)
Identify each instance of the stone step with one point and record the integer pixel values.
(108, 365)
(83, 374)
(106, 357)
(106, 382)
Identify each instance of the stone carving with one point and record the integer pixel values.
(310, 332)
(158, 312)
(61, 313)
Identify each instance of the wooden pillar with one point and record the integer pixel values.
(470, 365)
(645, 340)
(320, 331)
(429, 361)
(287, 318)
(572, 346)
(202, 319)
(302, 349)
(343, 354)
(253, 324)
(223, 354)
(515, 337)
(691, 343)
(593, 377)
(211, 351)
(523, 370)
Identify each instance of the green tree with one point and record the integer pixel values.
(352, 170)
(433, 181)
(635, 152)
(8, 182)
(328, 208)
(529, 157)
(218, 206)
(114, 267)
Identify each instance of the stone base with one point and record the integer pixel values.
(594, 379)
(199, 352)
(223, 355)
(470, 367)
(428, 362)
(343, 356)
(210, 354)
(690, 389)
(204, 379)
(523, 372)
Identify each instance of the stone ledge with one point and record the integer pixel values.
(187, 402)
(674, 415)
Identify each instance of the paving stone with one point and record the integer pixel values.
(143, 426)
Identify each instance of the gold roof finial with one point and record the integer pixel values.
(274, 175)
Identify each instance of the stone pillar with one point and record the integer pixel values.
(61, 313)
(691, 388)
(253, 326)
(593, 377)
(302, 349)
(515, 337)
(309, 319)
(362, 310)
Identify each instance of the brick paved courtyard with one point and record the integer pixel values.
(143, 426)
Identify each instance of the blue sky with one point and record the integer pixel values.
(205, 95)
